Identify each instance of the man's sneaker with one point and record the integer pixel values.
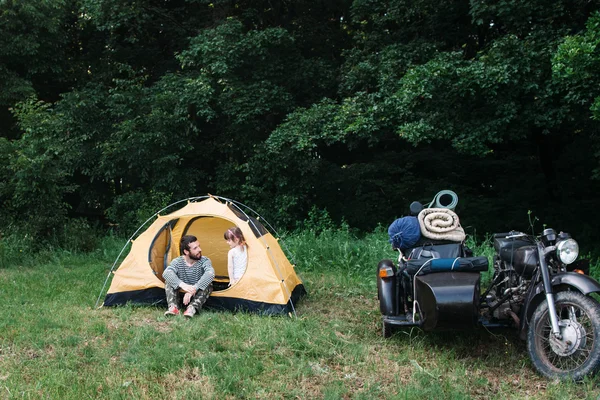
(173, 310)
(189, 312)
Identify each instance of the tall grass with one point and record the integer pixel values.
(339, 252)
(19, 249)
(53, 344)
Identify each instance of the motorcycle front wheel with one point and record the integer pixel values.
(577, 353)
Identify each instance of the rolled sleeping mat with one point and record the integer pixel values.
(464, 264)
(444, 199)
(461, 264)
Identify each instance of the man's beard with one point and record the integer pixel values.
(195, 258)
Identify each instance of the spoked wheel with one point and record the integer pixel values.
(577, 353)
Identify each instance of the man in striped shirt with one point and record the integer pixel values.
(188, 278)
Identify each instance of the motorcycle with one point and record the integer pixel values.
(536, 287)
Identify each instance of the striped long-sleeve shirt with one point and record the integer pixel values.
(200, 275)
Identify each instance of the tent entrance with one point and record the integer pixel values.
(209, 231)
(158, 254)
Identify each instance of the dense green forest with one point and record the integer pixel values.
(340, 110)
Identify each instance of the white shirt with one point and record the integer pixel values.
(239, 257)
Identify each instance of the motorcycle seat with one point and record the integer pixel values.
(433, 265)
(502, 244)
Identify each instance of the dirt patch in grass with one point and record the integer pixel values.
(352, 380)
(31, 354)
(311, 387)
(187, 378)
(378, 360)
(5, 351)
(160, 326)
(499, 384)
(139, 319)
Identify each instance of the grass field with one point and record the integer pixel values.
(55, 345)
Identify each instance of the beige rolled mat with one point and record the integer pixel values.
(441, 224)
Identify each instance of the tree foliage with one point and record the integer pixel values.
(350, 109)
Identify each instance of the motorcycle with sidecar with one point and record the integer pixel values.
(536, 287)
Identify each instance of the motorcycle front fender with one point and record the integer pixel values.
(583, 283)
(560, 282)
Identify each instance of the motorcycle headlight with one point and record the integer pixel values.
(567, 251)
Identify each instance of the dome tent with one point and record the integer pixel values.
(269, 285)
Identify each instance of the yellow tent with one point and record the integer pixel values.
(269, 285)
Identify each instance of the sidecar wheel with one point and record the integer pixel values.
(387, 330)
(577, 354)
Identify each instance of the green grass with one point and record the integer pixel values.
(53, 344)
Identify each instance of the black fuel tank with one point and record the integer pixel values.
(525, 260)
(516, 252)
(502, 244)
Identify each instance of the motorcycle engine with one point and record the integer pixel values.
(508, 292)
(512, 306)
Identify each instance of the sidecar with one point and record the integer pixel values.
(436, 285)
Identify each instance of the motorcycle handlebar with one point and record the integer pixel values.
(508, 235)
(501, 235)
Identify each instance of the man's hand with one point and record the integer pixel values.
(187, 288)
(187, 298)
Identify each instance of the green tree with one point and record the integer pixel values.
(293, 106)
(38, 53)
(575, 67)
(131, 129)
(469, 77)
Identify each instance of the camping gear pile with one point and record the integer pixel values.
(438, 223)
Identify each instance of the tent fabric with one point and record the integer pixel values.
(270, 284)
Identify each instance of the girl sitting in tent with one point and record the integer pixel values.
(237, 257)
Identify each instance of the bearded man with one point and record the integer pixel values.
(188, 279)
